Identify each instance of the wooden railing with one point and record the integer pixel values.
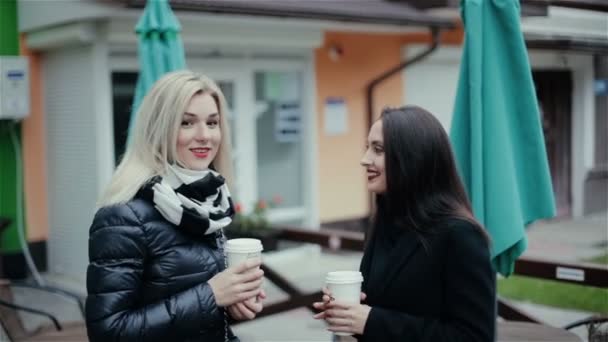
(586, 275)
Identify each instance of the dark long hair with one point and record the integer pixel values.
(422, 183)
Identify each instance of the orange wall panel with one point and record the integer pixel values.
(452, 37)
(342, 183)
(34, 154)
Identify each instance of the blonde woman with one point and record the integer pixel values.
(157, 269)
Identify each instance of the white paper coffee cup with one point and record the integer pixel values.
(240, 250)
(345, 287)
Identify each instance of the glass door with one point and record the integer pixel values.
(233, 86)
(281, 170)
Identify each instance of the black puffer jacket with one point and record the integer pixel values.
(147, 281)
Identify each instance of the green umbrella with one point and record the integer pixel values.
(160, 48)
(496, 131)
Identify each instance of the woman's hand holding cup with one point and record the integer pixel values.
(237, 283)
(238, 252)
(248, 309)
(325, 300)
(341, 303)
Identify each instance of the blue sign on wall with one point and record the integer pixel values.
(601, 87)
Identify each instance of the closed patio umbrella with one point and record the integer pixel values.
(160, 48)
(496, 131)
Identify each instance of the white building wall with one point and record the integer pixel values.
(568, 22)
(432, 82)
(77, 164)
(36, 15)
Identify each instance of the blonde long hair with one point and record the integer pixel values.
(154, 137)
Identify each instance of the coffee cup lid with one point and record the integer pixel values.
(344, 277)
(244, 245)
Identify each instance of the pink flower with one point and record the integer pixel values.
(262, 204)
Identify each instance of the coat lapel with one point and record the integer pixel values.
(407, 245)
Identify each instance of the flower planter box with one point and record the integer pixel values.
(269, 237)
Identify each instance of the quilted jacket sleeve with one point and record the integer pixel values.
(117, 253)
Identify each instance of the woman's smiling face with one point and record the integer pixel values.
(373, 160)
(200, 134)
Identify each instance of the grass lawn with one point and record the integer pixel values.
(553, 293)
(557, 294)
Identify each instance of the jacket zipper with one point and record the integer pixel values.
(220, 269)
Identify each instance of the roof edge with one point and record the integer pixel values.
(415, 19)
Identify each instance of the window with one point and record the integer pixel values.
(123, 91)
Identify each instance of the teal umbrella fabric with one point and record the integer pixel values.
(160, 48)
(496, 132)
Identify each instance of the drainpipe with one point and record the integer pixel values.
(435, 32)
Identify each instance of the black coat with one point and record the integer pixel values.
(444, 292)
(147, 281)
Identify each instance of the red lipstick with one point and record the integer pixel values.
(202, 152)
